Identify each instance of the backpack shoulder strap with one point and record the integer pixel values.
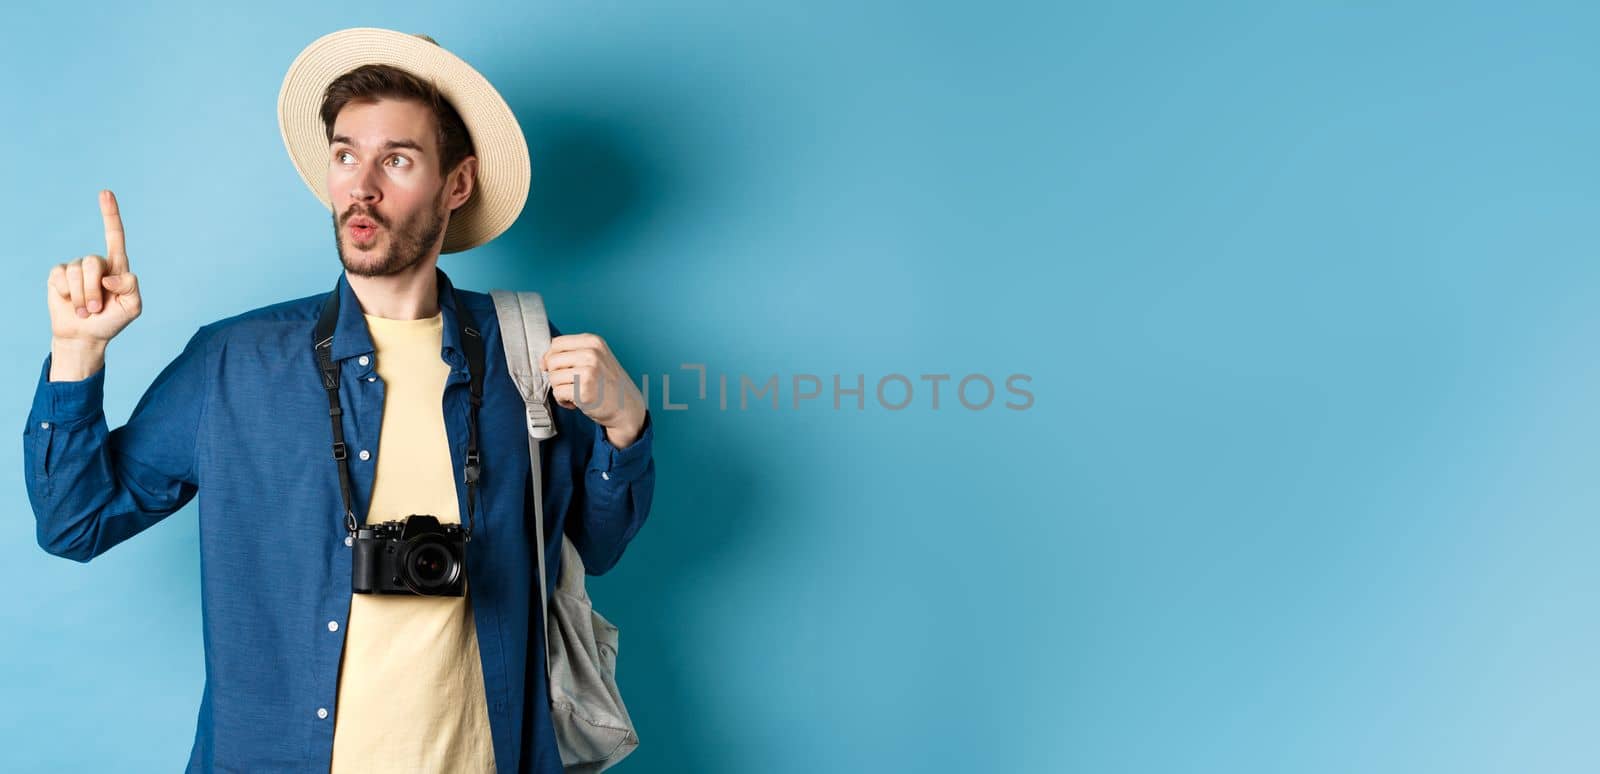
(525, 333)
(525, 336)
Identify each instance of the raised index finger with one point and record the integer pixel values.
(116, 250)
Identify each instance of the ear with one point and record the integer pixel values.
(463, 179)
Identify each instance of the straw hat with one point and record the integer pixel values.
(503, 166)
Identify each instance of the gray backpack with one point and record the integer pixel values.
(592, 726)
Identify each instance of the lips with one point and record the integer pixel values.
(361, 228)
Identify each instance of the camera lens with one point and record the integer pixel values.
(430, 564)
(429, 567)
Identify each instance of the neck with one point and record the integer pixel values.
(412, 294)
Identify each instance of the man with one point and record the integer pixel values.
(301, 673)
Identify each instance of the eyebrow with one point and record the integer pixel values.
(339, 138)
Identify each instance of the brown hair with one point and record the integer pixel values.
(369, 83)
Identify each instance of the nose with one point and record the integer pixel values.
(366, 189)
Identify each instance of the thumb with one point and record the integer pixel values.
(117, 283)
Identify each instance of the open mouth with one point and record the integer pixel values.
(363, 231)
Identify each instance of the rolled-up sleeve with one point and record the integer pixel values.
(92, 488)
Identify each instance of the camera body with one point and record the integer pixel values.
(415, 555)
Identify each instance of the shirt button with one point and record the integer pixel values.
(365, 455)
(348, 540)
(322, 712)
(372, 378)
(363, 360)
(605, 475)
(333, 626)
(45, 425)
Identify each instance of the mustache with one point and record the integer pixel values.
(369, 214)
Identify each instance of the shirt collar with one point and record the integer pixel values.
(351, 338)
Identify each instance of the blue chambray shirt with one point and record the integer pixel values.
(240, 418)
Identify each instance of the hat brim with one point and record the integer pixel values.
(504, 170)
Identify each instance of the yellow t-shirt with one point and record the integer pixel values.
(411, 695)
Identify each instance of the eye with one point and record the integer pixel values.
(339, 155)
(401, 158)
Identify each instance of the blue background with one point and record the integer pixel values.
(1307, 293)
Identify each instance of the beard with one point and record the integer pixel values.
(404, 247)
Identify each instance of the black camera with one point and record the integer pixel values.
(415, 555)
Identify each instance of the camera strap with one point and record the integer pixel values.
(322, 346)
